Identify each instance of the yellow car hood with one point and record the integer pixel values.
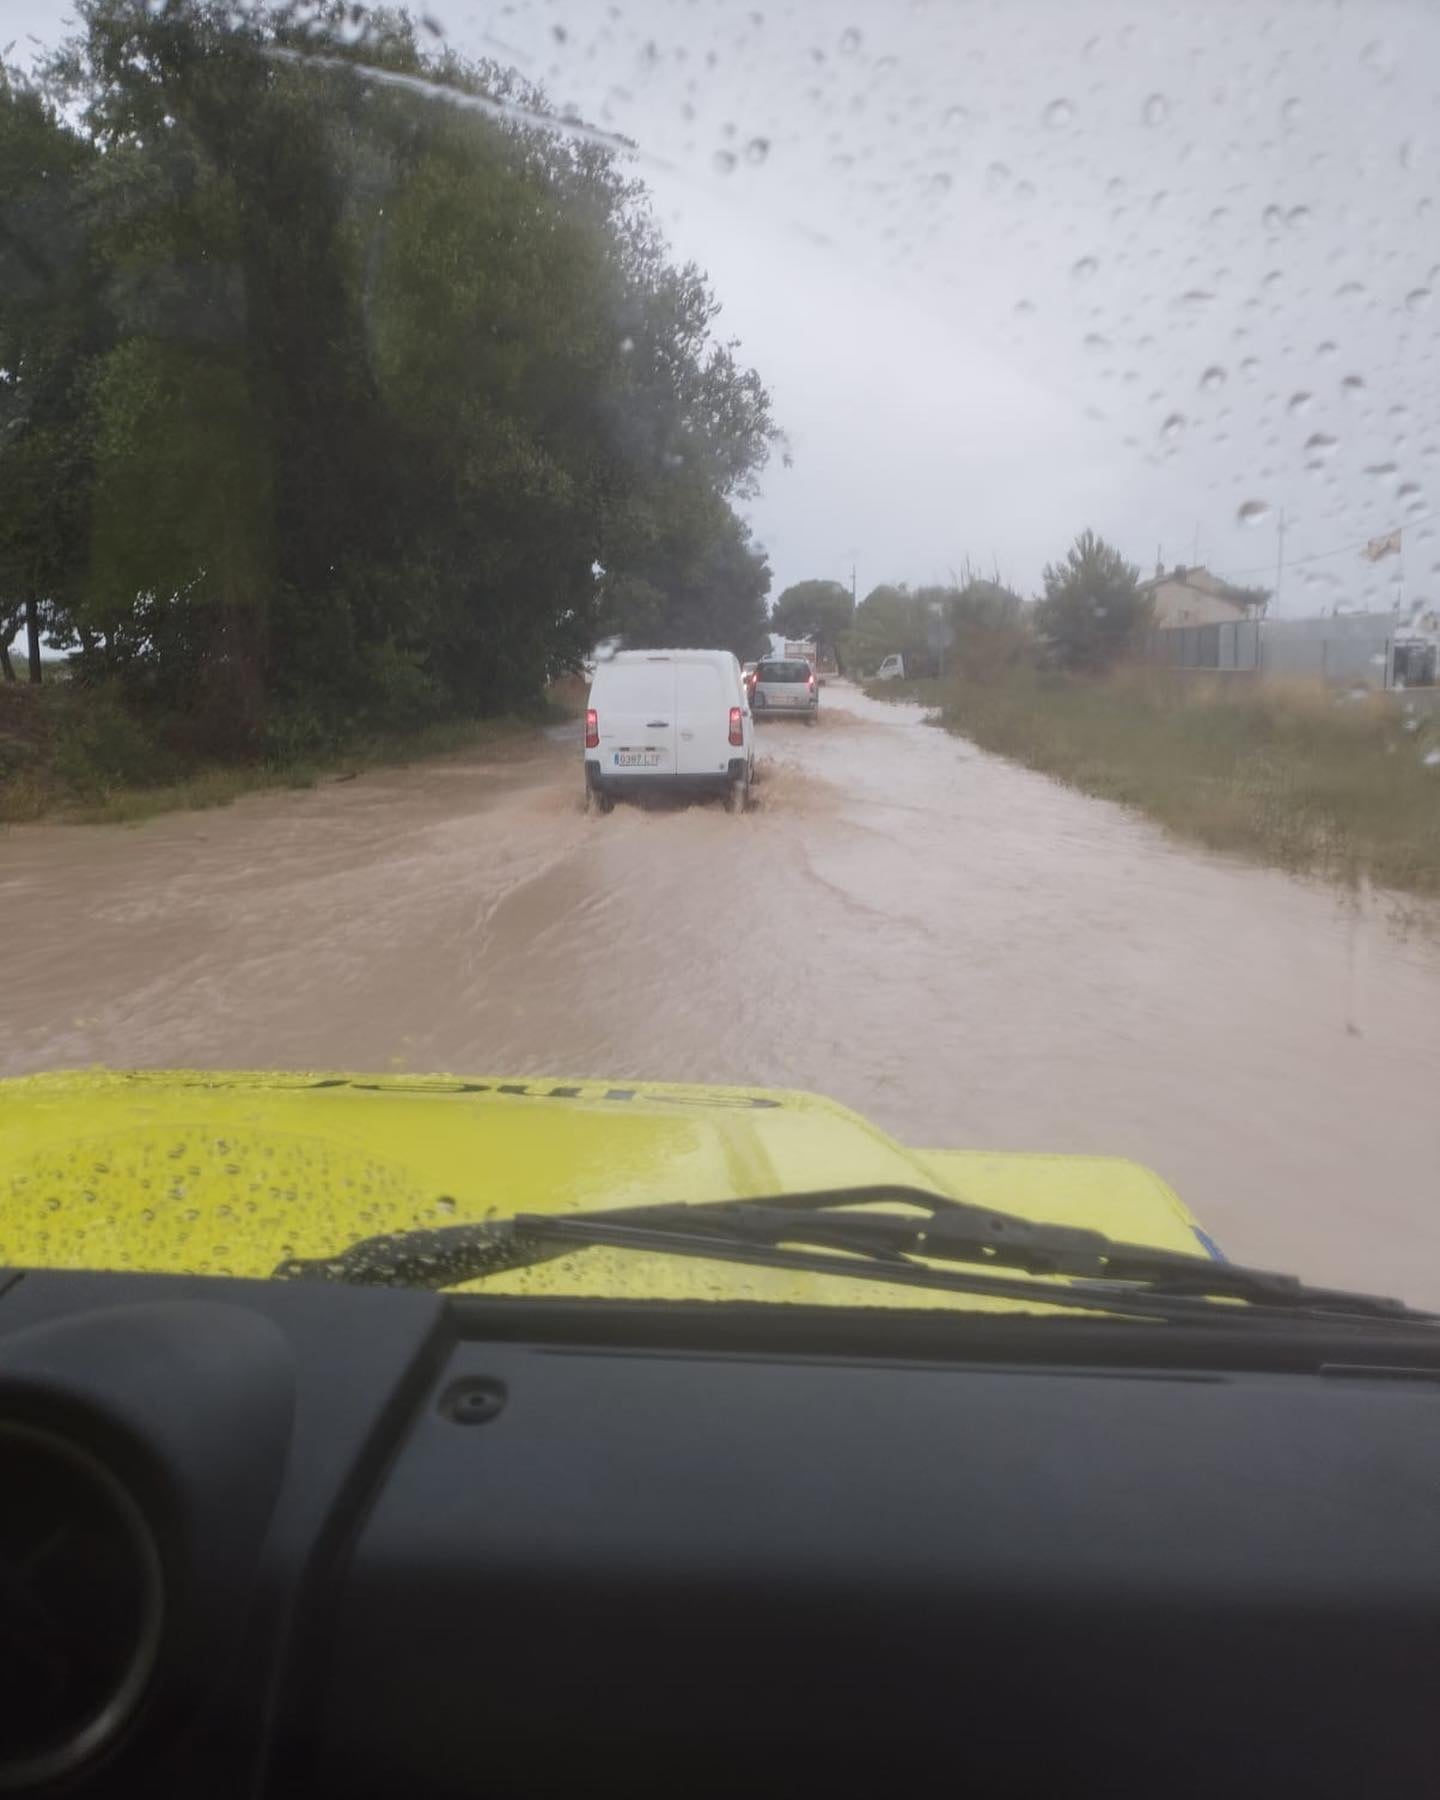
(233, 1173)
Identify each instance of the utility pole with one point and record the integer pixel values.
(1279, 556)
(852, 584)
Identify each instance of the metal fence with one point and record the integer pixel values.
(1349, 650)
(1235, 645)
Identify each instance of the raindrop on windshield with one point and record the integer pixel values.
(1382, 471)
(1290, 112)
(757, 149)
(1327, 348)
(1157, 110)
(1250, 368)
(1299, 403)
(956, 116)
(1272, 218)
(723, 161)
(1352, 384)
(1417, 299)
(1320, 443)
(1058, 114)
(850, 41)
(1251, 512)
(1173, 426)
(1213, 378)
(1084, 268)
(1297, 217)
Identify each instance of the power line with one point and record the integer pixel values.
(1319, 555)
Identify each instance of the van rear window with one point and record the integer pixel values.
(784, 671)
(633, 687)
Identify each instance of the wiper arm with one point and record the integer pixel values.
(1103, 1274)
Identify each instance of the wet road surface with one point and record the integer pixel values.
(966, 952)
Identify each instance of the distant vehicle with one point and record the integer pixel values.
(802, 649)
(668, 720)
(786, 685)
(747, 675)
(892, 669)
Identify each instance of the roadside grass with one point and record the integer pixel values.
(1345, 785)
(62, 760)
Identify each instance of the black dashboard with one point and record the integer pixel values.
(270, 1538)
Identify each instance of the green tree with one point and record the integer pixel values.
(50, 333)
(325, 400)
(824, 610)
(890, 620)
(1093, 612)
(988, 634)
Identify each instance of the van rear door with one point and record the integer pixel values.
(635, 707)
(703, 699)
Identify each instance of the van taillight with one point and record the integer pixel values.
(737, 729)
(592, 729)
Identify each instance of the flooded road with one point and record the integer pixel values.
(966, 952)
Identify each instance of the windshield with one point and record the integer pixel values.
(1048, 390)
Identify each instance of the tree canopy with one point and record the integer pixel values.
(1093, 612)
(327, 395)
(824, 610)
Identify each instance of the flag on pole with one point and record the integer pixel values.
(1379, 547)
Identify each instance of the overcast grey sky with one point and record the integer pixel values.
(1015, 267)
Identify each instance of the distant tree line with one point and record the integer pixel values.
(1091, 615)
(330, 397)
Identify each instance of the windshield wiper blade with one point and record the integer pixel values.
(1103, 1274)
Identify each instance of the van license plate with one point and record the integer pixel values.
(637, 759)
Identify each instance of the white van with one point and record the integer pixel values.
(892, 669)
(668, 719)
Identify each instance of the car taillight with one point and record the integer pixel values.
(812, 682)
(737, 728)
(592, 729)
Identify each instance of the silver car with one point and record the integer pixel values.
(785, 686)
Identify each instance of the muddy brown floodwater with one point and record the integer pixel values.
(965, 951)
